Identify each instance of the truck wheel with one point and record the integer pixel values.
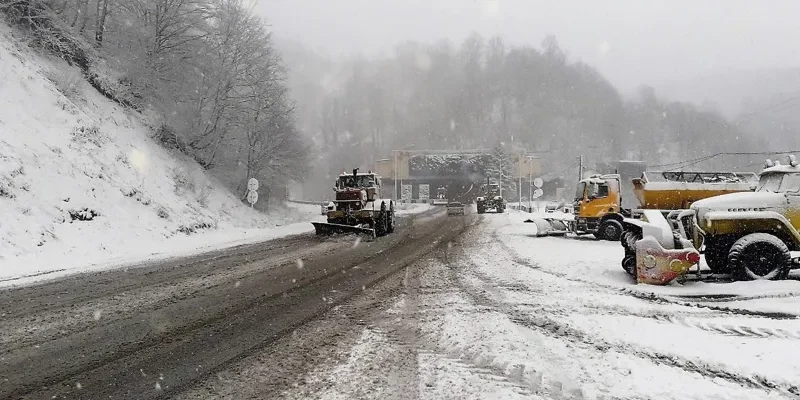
(716, 254)
(610, 230)
(390, 227)
(381, 223)
(481, 208)
(500, 210)
(759, 256)
(629, 264)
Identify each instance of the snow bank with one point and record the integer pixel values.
(81, 183)
(412, 208)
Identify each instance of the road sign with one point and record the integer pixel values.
(538, 182)
(252, 197)
(424, 191)
(252, 185)
(537, 193)
(405, 192)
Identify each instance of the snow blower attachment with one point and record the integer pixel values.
(358, 208)
(654, 253)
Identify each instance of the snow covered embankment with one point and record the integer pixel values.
(82, 186)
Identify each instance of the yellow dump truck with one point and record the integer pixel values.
(748, 235)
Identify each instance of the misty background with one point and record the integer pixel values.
(662, 81)
(300, 90)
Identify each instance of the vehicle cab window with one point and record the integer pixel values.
(598, 190)
(579, 193)
(790, 183)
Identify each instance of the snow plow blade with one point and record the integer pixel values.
(656, 265)
(324, 228)
(548, 227)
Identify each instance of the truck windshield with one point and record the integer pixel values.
(579, 192)
(359, 181)
(779, 182)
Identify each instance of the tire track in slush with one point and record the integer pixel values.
(557, 329)
(524, 379)
(427, 343)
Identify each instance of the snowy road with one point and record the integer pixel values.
(451, 308)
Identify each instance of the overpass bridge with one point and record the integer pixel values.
(417, 175)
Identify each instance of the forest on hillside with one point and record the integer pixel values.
(217, 88)
(482, 93)
(203, 73)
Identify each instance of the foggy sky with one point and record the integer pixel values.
(629, 41)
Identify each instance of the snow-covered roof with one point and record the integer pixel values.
(599, 179)
(781, 169)
(358, 174)
(699, 177)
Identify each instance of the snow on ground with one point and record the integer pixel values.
(82, 186)
(600, 263)
(506, 315)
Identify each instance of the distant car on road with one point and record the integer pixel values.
(455, 208)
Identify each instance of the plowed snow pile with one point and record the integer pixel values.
(81, 183)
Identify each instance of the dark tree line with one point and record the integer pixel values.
(484, 92)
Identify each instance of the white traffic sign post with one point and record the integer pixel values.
(252, 185)
(538, 182)
(252, 191)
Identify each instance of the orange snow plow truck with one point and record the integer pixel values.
(748, 236)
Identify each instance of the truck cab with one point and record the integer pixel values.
(597, 202)
(739, 231)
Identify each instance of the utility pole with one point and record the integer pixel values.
(580, 168)
(394, 168)
(519, 181)
(530, 184)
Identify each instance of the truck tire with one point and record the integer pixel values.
(716, 253)
(759, 256)
(390, 227)
(481, 208)
(610, 230)
(382, 222)
(628, 240)
(629, 264)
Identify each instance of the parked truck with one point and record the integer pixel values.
(603, 202)
(747, 235)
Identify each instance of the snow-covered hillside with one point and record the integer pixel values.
(82, 183)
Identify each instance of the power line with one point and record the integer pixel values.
(695, 161)
(770, 107)
(560, 174)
